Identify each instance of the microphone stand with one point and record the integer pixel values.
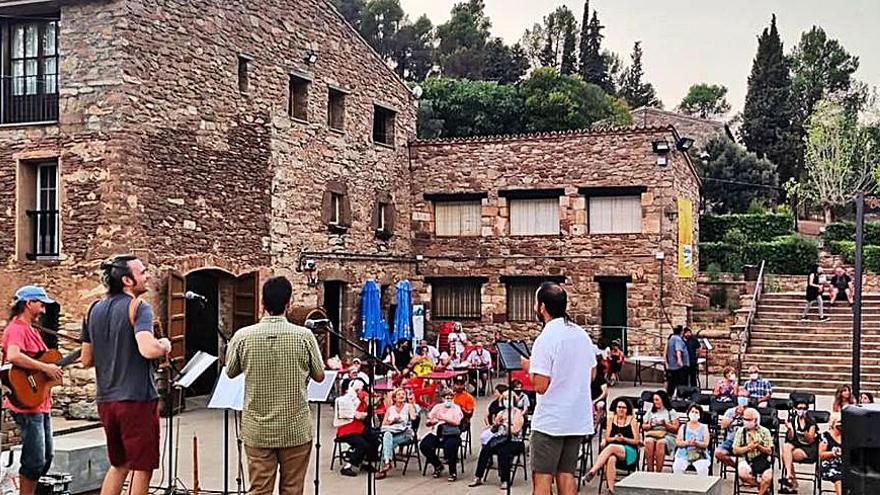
(372, 361)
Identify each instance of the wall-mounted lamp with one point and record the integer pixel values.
(312, 53)
(661, 148)
(310, 268)
(684, 144)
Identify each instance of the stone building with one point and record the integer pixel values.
(699, 129)
(220, 141)
(597, 210)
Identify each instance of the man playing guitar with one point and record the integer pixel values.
(21, 340)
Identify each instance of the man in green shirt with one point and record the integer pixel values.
(754, 445)
(277, 359)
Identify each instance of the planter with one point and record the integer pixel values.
(750, 273)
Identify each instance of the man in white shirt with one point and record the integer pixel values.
(433, 353)
(562, 366)
(480, 359)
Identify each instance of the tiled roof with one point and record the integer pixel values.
(598, 131)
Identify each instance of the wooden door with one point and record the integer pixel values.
(246, 301)
(175, 331)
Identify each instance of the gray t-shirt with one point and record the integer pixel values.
(122, 373)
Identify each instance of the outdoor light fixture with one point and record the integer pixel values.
(310, 268)
(685, 144)
(312, 53)
(660, 146)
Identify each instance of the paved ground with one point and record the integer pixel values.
(207, 426)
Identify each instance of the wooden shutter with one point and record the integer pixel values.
(176, 308)
(246, 301)
(345, 212)
(326, 207)
(390, 214)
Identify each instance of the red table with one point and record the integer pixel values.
(445, 375)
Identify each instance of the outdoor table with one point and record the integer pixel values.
(383, 386)
(445, 375)
(657, 362)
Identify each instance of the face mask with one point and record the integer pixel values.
(448, 403)
(694, 416)
(750, 424)
(742, 400)
(753, 376)
(801, 413)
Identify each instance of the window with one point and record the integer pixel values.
(383, 125)
(534, 216)
(335, 209)
(297, 106)
(521, 299)
(243, 75)
(457, 218)
(38, 206)
(615, 215)
(336, 110)
(457, 299)
(30, 73)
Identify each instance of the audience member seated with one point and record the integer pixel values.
(353, 374)
(457, 339)
(445, 421)
(616, 358)
(388, 358)
(753, 444)
(731, 422)
(463, 398)
(599, 393)
(350, 412)
(397, 427)
(841, 282)
(842, 398)
(499, 444)
(693, 444)
(866, 398)
(831, 454)
(725, 389)
(661, 430)
(620, 445)
(433, 352)
(801, 445)
(760, 389)
(421, 364)
(480, 358)
(495, 406)
(402, 354)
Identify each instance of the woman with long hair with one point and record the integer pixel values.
(842, 398)
(661, 430)
(397, 427)
(814, 293)
(621, 442)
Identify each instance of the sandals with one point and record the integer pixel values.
(438, 471)
(590, 476)
(475, 483)
(452, 478)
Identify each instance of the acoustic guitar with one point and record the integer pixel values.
(28, 389)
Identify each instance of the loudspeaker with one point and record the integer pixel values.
(51, 320)
(861, 449)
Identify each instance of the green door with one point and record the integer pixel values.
(613, 295)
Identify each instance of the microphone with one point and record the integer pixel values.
(192, 296)
(318, 323)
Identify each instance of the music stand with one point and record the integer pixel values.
(185, 378)
(509, 354)
(229, 395)
(318, 394)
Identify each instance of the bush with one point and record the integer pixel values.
(847, 252)
(789, 254)
(846, 231)
(763, 227)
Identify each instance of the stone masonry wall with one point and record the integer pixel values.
(570, 161)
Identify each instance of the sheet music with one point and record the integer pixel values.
(319, 392)
(509, 356)
(228, 393)
(707, 344)
(194, 368)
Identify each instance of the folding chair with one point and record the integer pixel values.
(814, 477)
(518, 462)
(739, 489)
(410, 449)
(340, 453)
(585, 457)
(620, 469)
(687, 392)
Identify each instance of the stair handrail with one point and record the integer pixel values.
(746, 335)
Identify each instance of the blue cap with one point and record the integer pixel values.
(33, 293)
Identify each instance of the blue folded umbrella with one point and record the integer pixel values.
(403, 322)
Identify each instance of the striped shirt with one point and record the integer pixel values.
(277, 359)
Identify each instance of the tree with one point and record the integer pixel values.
(583, 42)
(841, 160)
(552, 43)
(820, 67)
(504, 64)
(632, 89)
(463, 39)
(734, 178)
(352, 10)
(461, 108)
(593, 68)
(557, 102)
(381, 21)
(767, 127)
(414, 50)
(568, 64)
(705, 100)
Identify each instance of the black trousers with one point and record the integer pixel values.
(674, 378)
(694, 375)
(450, 445)
(363, 446)
(505, 451)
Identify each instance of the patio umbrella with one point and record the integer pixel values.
(373, 326)
(403, 323)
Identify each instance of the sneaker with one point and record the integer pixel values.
(476, 482)
(452, 478)
(348, 471)
(503, 486)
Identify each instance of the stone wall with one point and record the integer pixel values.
(700, 130)
(568, 161)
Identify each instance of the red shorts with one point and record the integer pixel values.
(132, 429)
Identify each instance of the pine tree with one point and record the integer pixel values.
(768, 116)
(569, 58)
(594, 67)
(583, 45)
(548, 53)
(632, 89)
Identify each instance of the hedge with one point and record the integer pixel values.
(789, 254)
(758, 227)
(846, 231)
(847, 251)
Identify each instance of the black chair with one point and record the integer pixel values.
(406, 451)
(814, 477)
(681, 405)
(585, 457)
(739, 489)
(340, 453)
(687, 392)
(518, 461)
(703, 398)
(621, 469)
(807, 397)
(720, 406)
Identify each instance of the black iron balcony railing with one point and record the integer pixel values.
(28, 99)
(44, 234)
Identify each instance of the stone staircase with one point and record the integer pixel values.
(812, 355)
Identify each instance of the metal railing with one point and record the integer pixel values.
(746, 335)
(28, 99)
(596, 331)
(44, 234)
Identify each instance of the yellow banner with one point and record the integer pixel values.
(685, 238)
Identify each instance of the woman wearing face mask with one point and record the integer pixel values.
(499, 444)
(725, 389)
(831, 454)
(660, 431)
(693, 444)
(397, 427)
(445, 419)
(842, 398)
(801, 445)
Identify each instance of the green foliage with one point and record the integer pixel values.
(705, 101)
(713, 271)
(593, 66)
(847, 251)
(636, 92)
(734, 178)
(821, 67)
(846, 231)
(756, 207)
(768, 113)
(786, 254)
(556, 102)
(461, 108)
(463, 39)
(765, 227)
(504, 64)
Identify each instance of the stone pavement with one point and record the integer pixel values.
(207, 425)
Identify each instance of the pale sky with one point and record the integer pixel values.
(690, 41)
